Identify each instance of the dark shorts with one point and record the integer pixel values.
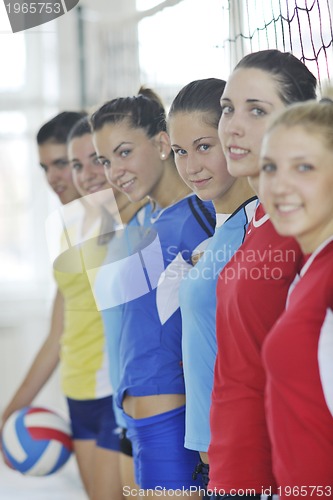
(202, 470)
(125, 443)
(93, 419)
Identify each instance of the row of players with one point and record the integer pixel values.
(191, 274)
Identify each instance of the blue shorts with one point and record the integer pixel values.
(94, 419)
(160, 458)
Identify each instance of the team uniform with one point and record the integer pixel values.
(150, 348)
(84, 367)
(107, 286)
(298, 356)
(251, 294)
(198, 308)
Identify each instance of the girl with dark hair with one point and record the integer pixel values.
(132, 142)
(252, 287)
(52, 151)
(193, 128)
(118, 224)
(296, 186)
(53, 157)
(84, 361)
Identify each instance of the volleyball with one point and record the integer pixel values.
(36, 441)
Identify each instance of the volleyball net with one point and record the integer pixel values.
(302, 27)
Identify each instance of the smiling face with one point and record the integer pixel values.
(88, 173)
(131, 159)
(198, 155)
(296, 184)
(54, 161)
(248, 100)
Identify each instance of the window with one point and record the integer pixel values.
(182, 43)
(27, 99)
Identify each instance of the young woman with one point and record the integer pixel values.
(253, 286)
(193, 128)
(108, 283)
(53, 156)
(105, 212)
(131, 140)
(84, 363)
(296, 186)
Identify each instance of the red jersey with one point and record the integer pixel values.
(251, 295)
(298, 355)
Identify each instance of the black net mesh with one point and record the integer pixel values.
(303, 27)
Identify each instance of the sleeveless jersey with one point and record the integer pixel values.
(84, 368)
(198, 308)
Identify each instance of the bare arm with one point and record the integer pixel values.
(43, 365)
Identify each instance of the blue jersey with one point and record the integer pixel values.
(120, 247)
(198, 308)
(150, 349)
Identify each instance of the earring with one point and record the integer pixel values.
(163, 156)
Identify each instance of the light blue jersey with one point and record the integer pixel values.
(198, 308)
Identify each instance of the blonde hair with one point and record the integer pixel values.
(315, 117)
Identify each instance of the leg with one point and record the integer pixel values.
(106, 478)
(127, 471)
(96, 445)
(127, 476)
(84, 452)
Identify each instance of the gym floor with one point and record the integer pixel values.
(63, 485)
